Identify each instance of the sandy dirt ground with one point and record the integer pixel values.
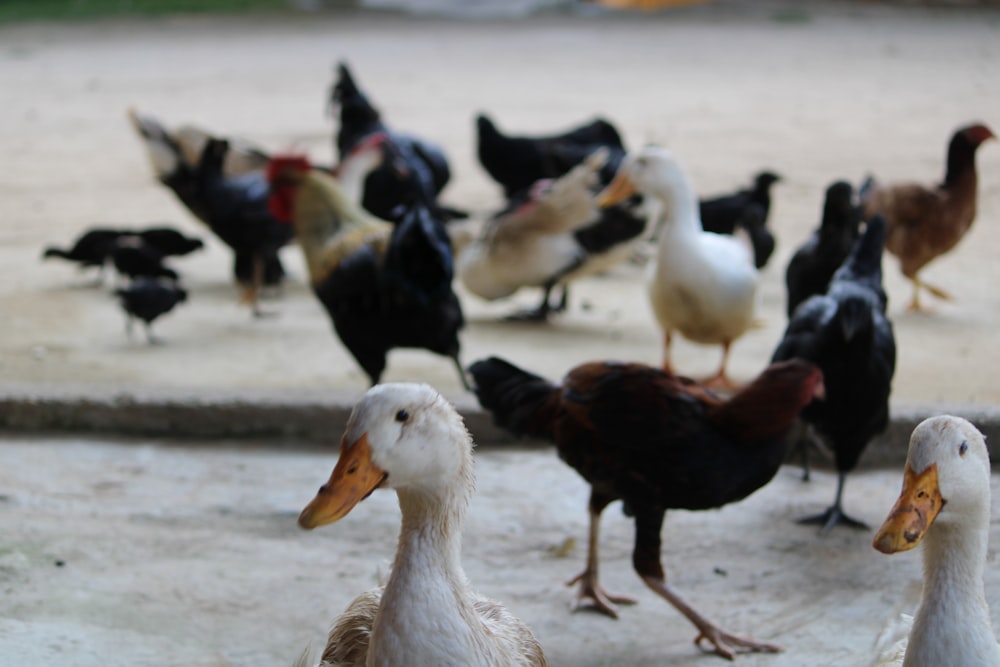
(190, 556)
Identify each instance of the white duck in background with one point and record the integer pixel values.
(703, 285)
(408, 438)
(945, 503)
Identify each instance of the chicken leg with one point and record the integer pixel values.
(724, 643)
(646, 561)
(834, 514)
(919, 284)
(591, 595)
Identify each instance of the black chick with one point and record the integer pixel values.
(846, 333)
(133, 258)
(92, 248)
(724, 213)
(411, 164)
(147, 299)
(169, 242)
(814, 263)
(518, 162)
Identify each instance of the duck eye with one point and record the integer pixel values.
(402, 416)
(963, 448)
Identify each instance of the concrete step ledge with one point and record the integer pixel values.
(311, 420)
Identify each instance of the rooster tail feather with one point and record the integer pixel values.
(521, 402)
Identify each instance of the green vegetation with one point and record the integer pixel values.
(31, 10)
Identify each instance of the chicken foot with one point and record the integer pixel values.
(919, 284)
(725, 644)
(834, 514)
(590, 594)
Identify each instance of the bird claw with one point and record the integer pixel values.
(726, 645)
(592, 596)
(830, 518)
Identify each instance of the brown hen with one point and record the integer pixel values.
(656, 442)
(927, 221)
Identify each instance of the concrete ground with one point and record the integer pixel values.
(153, 553)
(188, 553)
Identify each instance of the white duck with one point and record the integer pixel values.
(945, 503)
(703, 285)
(557, 236)
(408, 438)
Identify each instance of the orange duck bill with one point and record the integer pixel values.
(619, 189)
(353, 479)
(919, 503)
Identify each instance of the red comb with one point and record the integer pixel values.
(283, 163)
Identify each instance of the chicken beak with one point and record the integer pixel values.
(353, 479)
(919, 503)
(619, 189)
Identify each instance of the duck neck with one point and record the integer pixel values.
(954, 594)
(431, 533)
(680, 213)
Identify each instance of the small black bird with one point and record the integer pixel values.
(132, 257)
(814, 263)
(168, 241)
(92, 248)
(723, 214)
(147, 299)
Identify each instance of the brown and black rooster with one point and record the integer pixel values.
(655, 441)
(383, 285)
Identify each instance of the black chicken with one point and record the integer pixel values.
(168, 241)
(411, 165)
(384, 286)
(133, 258)
(814, 263)
(92, 249)
(655, 441)
(147, 299)
(518, 162)
(846, 333)
(233, 207)
(725, 213)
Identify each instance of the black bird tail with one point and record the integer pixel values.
(52, 251)
(521, 402)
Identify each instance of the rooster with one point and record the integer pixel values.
(233, 205)
(413, 168)
(847, 334)
(925, 222)
(656, 441)
(383, 285)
